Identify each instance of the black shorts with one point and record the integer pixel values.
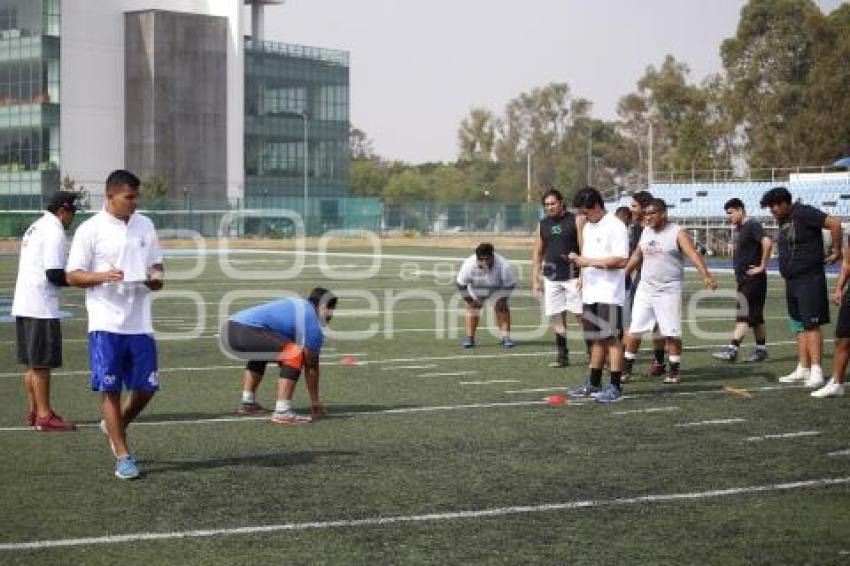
(842, 327)
(259, 346)
(39, 342)
(808, 300)
(601, 321)
(752, 293)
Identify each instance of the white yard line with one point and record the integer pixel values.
(488, 382)
(782, 435)
(448, 373)
(845, 452)
(649, 410)
(712, 422)
(379, 521)
(424, 366)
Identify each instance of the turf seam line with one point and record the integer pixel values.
(429, 517)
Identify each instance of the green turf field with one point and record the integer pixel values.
(430, 454)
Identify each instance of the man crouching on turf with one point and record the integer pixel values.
(286, 331)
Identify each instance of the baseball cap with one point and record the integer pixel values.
(64, 199)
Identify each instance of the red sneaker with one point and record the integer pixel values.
(291, 417)
(252, 409)
(31, 419)
(54, 423)
(657, 369)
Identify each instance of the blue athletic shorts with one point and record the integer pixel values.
(122, 360)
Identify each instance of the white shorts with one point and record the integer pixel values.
(666, 310)
(560, 296)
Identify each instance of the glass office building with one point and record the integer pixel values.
(296, 117)
(29, 101)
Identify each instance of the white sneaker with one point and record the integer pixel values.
(831, 389)
(815, 379)
(796, 376)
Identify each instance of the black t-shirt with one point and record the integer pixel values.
(800, 241)
(747, 239)
(560, 238)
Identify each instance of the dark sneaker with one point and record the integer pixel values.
(628, 366)
(727, 355)
(127, 469)
(30, 419)
(586, 390)
(252, 409)
(610, 394)
(54, 423)
(468, 343)
(656, 369)
(562, 361)
(507, 343)
(758, 356)
(291, 417)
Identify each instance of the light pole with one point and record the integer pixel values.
(305, 116)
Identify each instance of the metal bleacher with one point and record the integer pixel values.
(706, 200)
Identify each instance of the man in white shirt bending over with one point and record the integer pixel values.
(486, 275)
(41, 272)
(115, 255)
(604, 252)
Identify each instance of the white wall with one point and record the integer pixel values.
(92, 83)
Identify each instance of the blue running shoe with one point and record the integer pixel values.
(611, 394)
(507, 343)
(586, 390)
(468, 342)
(127, 469)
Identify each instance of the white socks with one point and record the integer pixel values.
(282, 407)
(248, 397)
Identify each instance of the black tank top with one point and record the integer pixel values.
(560, 239)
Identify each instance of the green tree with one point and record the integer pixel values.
(477, 136)
(769, 64)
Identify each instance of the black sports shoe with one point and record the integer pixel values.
(562, 361)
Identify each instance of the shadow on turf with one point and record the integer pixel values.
(279, 460)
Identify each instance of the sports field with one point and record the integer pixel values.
(430, 454)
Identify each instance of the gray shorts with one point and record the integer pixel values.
(39, 342)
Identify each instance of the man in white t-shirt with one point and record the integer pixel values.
(41, 272)
(604, 252)
(115, 255)
(486, 275)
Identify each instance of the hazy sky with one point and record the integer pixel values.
(418, 67)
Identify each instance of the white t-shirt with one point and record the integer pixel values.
(103, 242)
(607, 238)
(480, 282)
(44, 246)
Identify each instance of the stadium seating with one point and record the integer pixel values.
(706, 200)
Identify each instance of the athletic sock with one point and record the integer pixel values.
(596, 377)
(616, 379)
(761, 345)
(248, 397)
(675, 362)
(282, 406)
(659, 356)
(735, 344)
(561, 344)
